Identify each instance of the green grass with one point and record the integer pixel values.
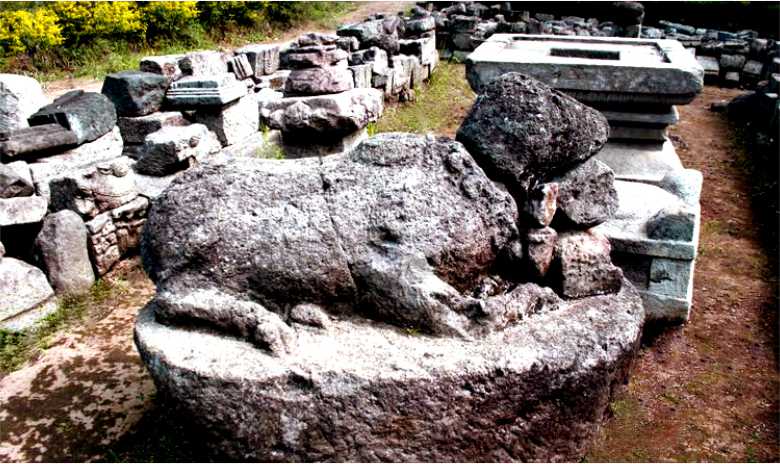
(17, 347)
(437, 107)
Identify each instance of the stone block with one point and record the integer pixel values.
(166, 65)
(234, 122)
(362, 74)
(586, 194)
(374, 56)
(652, 134)
(424, 49)
(275, 81)
(171, 149)
(600, 71)
(403, 68)
(196, 92)
(89, 115)
(673, 223)
(348, 44)
(94, 189)
(731, 79)
(27, 295)
(103, 243)
(541, 250)
(415, 27)
(20, 97)
(264, 58)
(731, 62)
(753, 69)
(22, 210)
(135, 93)
(541, 204)
(318, 81)
(294, 146)
(135, 130)
(583, 265)
(106, 148)
(36, 141)
(671, 277)
(324, 116)
(16, 180)
(642, 162)
(239, 65)
(204, 64)
(711, 67)
(62, 246)
(312, 56)
(314, 39)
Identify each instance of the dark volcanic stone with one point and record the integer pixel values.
(88, 114)
(400, 219)
(520, 130)
(135, 93)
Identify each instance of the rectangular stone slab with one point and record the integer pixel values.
(22, 210)
(593, 69)
(35, 139)
(643, 162)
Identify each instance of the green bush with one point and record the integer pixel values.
(29, 31)
(170, 20)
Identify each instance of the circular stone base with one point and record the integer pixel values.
(364, 391)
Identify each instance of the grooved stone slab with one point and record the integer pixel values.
(593, 69)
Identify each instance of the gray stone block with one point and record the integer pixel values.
(20, 97)
(172, 149)
(135, 93)
(318, 81)
(15, 180)
(166, 65)
(643, 162)
(89, 115)
(135, 130)
(22, 210)
(36, 141)
(204, 64)
(195, 92)
(234, 122)
(27, 295)
(312, 56)
(62, 245)
(264, 58)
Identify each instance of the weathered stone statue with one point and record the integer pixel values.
(379, 304)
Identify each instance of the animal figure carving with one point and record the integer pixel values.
(403, 229)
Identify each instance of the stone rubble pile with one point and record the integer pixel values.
(103, 156)
(461, 27)
(730, 59)
(398, 283)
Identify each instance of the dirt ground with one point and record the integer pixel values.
(704, 391)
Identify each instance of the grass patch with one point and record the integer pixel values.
(439, 108)
(18, 347)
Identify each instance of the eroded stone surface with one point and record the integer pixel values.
(89, 115)
(364, 230)
(519, 130)
(20, 97)
(587, 195)
(24, 288)
(62, 244)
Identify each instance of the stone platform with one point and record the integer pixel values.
(360, 390)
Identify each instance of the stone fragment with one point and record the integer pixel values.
(587, 195)
(106, 148)
(731, 62)
(20, 97)
(275, 81)
(171, 149)
(423, 49)
(318, 81)
(135, 130)
(541, 249)
(312, 56)
(234, 122)
(204, 64)
(15, 180)
(313, 39)
(196, 92)
(22, 210)
(584, 266)
(309, 314)
(89, 115)
(362, 74)
(264, 58)
(239, 65)
(396, 227)
(380, 33)
(166, 65)
(403, 70)
(710, 66)
(24, 288)
(348, 44)
(541, 204)
(102, 243)
(62, 245)
(95, 189)
(36, 141)
(320, 116)
(520, 129)
(752, 69)
(374, 56)
(677, 223)
(419, 26)
(135, 93)
(731, 79)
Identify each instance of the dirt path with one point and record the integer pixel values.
(54, 89)
(87, 389)
(708, 391)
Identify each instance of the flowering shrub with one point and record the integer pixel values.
(28, 32)
(84, 21)
(169, 19)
